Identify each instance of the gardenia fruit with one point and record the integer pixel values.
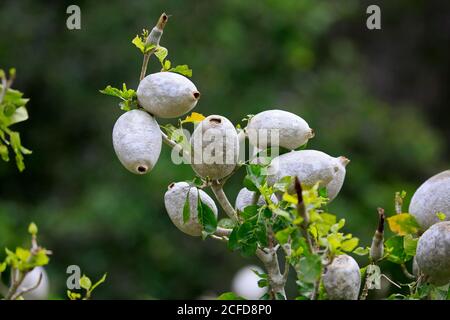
(137, 141)
(245, 199)
(311, 167)
(215, 147)
(342, 279)
(245, 283)
(432, 197)
(30, 280)
(174, 200)
(167, 94)
(292, 130)
(433, 253)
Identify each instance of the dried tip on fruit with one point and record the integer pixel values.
(342, 278)
(431, 198)
(137, 141)
(215, 147)
(167, 94)
(433, 253)
(182, 194)
(162, 21)
(273, 128)
(343, 160)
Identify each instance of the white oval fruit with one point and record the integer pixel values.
(167, 94)
(432, 197)
(311, 167)
(290, 130)
(174, 200)
(433, 253)
(342, 278)
(245, 283)
(215, 147)
(137, 141)
(30, 280)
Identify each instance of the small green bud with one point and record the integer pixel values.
(33, 229)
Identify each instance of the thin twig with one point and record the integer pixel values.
(303, 213)
(153, 39)
(26, 290)
(406, 272)
(222, 198)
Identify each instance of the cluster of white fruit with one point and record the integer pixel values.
(433, 249)
(136, 135)
(137, 141)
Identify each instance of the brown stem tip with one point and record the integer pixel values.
(162, 21)
(381, 218)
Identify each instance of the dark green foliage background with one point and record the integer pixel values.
(377, 97)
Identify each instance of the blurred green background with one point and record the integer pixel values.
(378, 97)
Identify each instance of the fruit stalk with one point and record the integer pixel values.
(153, 38)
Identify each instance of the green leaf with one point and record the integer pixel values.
(206, 217)
(361, 251)
(40, 258)
(33, 229)
(4, 153)
(249, 184)
(309, 268)
(410, 245)
(167, 65)
(233, 243)
(282, 236)
(182, 69)
(229, 296)
(349, 245)
(395, 250)
(161, 53)
(250, 212)
(142, 45)
(3, 267)
(73, 295)
(187, 208)
(99, 282)
(22, 254)
(403, 224)
(85, 282)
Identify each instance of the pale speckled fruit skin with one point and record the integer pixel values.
(342, 279)
(205, 166)
(174, 200)
(293, 131)
(137, 141)
(31, 279)
(167, 94)
(433, 253)
(245, 198)
(335, 185)
(433, 196)
(310, 166)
